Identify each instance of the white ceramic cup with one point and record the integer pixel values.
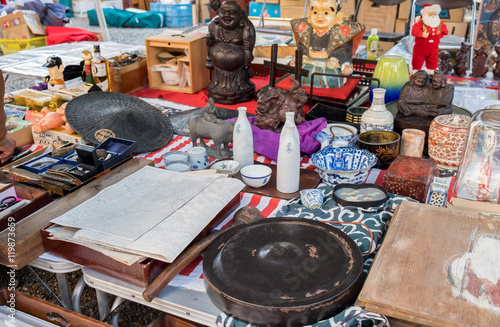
(175, 156)
(197, 156)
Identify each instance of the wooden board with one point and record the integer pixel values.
(308, 179)
(27, 234)
(426, 249)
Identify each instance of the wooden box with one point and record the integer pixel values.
(436, 267)
(38, 197)
(129, 79)
(196, 57)
(29, 242)
(139, 273)
(166, 320)
(410, 176)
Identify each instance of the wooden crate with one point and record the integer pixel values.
(436, 267)
(129, 79)
(196, 60)
(28, 234)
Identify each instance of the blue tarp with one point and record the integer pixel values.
(123, 18)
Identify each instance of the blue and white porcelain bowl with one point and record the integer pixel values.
(343, 165)
(256, 175)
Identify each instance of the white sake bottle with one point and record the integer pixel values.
(377, 117)
(288, 163)
(243, 139)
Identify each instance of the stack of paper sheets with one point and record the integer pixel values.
(152, 213)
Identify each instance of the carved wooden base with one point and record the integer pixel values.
(233, 97)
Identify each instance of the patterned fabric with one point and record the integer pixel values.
(365, 226)
(351, 317)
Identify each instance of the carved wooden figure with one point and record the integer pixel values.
(479, 62)
(230, 42)
(445, 65)
(460, 68)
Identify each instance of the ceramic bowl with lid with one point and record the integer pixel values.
(447, 137)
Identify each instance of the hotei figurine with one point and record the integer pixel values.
(56, 77)
(445, 65)
(230, 42)
(496, 69)
(426, 97)
(428, 32)
(479, 62)
(461, 66)
(275, 102)
(328, 42)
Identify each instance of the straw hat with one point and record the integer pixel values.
(97, 116)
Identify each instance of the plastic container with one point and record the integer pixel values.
(177, 15)
(13, 46)
(372, 46)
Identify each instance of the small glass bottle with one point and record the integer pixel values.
(372, 46)
(243, 139)
(100, 69)
(377, 117)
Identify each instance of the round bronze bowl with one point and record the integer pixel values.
(283, 272)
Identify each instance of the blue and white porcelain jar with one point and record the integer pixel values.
(377, 117)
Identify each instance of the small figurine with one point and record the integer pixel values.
(53, 120)
(428, 32)
(209, 126)
(273, 103)
(328, 42)
(460, 68)
(479, 64)
(445, 65)
(496, 69)
(230, 42)
(420, 98)
(56, 77)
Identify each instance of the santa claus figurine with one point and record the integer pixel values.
(427, 31)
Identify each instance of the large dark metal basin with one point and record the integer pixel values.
(283, 271)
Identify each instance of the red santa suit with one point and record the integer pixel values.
(427, 49)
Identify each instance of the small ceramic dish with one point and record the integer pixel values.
(256, 175)
(343, 165)
(360, 195)
(227, 167)
(178, 165)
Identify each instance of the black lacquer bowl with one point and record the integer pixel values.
(283, 271)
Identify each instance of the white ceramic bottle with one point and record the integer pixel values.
(377, 117)
(288, 163)
(243, 139)
(289, 119)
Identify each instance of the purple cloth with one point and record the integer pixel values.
(266, 142)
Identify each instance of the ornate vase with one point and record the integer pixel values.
(446, 138)
(288, 163)
(243, 139)
(392, 72)
(377, 117)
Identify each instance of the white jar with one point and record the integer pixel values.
(243, 139)
(288, 163)
(377, 117)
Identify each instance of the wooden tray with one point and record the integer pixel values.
(29, 242)
(308, 179)
(431, 267)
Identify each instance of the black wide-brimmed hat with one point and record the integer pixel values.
(97, 116)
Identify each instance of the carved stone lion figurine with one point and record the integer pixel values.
(272, 104)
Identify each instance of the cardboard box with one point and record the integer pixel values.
(56, 138)
(293, 3)
(22, 134)
(129, 79)
(383, 46)
(447, 15)
(400, 26)
(292, 11)
(273, 10)
(457, 29)
(382, 18)
(15, 27)
(348, 7)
